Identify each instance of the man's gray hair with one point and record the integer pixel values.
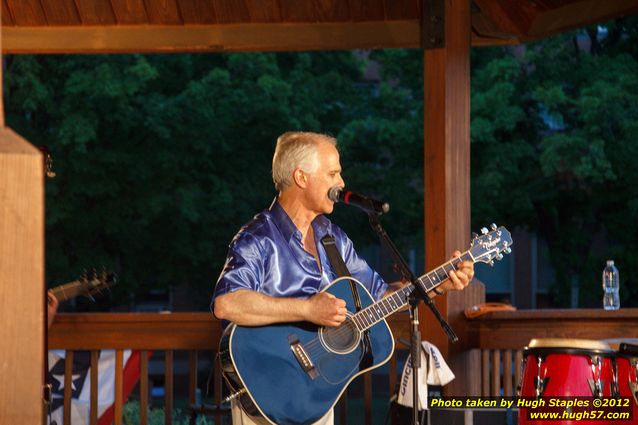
(295, 149)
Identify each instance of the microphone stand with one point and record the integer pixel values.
(418, 294)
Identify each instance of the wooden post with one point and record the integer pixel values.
(21, 280)
(21, 276)
(447, 185)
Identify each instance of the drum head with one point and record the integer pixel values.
(582, 344)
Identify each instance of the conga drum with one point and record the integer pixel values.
(560, 367)
(627, 378)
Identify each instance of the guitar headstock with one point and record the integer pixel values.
(95, 283)
(491, 245)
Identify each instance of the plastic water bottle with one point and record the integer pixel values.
(611, 285)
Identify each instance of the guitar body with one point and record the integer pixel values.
(278, 390)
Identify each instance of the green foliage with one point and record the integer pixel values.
(553, 138)
(161, 158)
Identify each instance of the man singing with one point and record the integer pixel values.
(277, 267)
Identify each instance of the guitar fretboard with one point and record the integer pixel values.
(383, 308)
(68, 290)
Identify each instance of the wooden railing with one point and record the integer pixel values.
(499, 337)
(169, 333)
(502, 336)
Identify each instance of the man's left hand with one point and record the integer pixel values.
(461, 277)
(52, 307)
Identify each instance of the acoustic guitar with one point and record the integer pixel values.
(291, 374)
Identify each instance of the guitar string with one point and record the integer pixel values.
(315, 345)
(373, 309)
(315, 348)
(346, 328)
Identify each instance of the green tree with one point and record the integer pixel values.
(552, 131)
(160, 159)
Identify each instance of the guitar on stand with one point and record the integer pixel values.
(294, 373)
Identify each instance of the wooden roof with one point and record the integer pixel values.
(93, 26)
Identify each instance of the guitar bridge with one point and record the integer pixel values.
(301, 356)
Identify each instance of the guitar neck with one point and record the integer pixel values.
(389, 305)
(68, 290)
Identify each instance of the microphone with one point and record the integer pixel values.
(369, 205)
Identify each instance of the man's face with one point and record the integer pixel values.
(326, 174)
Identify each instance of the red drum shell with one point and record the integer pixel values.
(626, 361)
(567, 373)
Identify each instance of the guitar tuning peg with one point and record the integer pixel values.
(507, 250)
(491, 263)
(499, 256)
(493, 226)
(484, 230)
(475, 235)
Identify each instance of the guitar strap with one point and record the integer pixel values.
(341, 270)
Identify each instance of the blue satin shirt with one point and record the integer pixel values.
(267, 256)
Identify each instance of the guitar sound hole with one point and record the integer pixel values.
(342, 339)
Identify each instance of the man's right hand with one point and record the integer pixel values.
(326, 310)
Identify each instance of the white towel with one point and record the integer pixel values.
(433, 371)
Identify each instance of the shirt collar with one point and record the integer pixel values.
(320, 225)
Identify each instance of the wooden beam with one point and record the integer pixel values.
(447, 184)
(214, 38)
(21, 280)
(210, 38)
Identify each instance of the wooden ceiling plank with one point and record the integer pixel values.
(128, 12)
(368, 10)
(264, 10)
(479, 40)
(331, 10)
(27, 12)
(297, 11)
(578, 14)
(163, 12)
(197, 12)
(61, 12)
(231, 11)
(509, 17)
(7, 19)
(545, 5)
(207, 38)
(484, 30)
(401, 9)
(95, 12)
